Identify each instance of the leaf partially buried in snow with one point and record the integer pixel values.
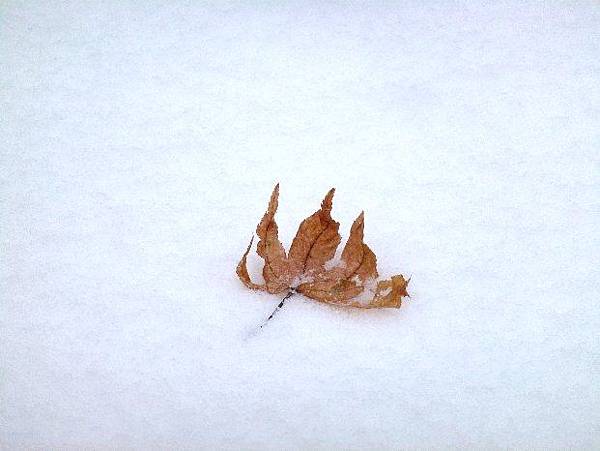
(309, 268)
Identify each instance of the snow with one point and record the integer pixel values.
(369, 290)
(139, 144)
(303, 278)
(334, 262)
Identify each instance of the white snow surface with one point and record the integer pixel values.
(139, 144)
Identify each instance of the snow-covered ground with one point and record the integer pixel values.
(139, 143)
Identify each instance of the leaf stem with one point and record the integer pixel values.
(285, 298)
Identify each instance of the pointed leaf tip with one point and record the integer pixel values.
(360, 219)
(275, 192)
(327, 203)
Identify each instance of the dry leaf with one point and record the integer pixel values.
(309, 267)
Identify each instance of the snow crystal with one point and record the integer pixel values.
(370, 288)
(303, 278)
(334, 263)
(385, 291)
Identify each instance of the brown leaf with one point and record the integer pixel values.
(242, 271)
(276, 269)
(316, 240)
(309, 268)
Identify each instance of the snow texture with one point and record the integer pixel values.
(139, 144)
